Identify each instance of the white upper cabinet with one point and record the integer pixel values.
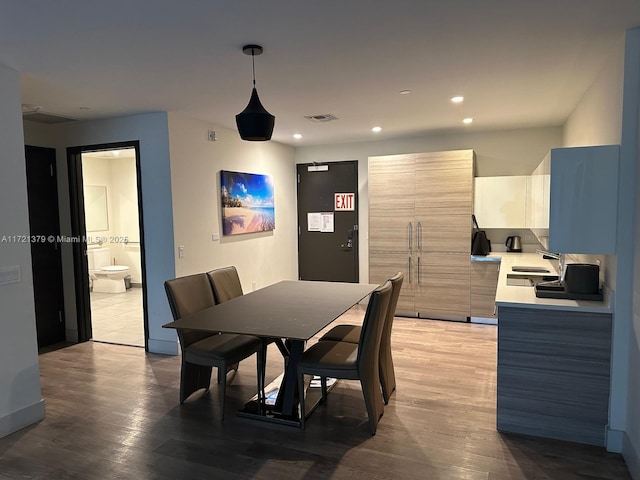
(584, 200)
(501, 202)
(538, 201)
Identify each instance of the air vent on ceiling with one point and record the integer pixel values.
(34, 113)
(42, 117)
(324, 117)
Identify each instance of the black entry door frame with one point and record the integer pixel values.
(79, 230)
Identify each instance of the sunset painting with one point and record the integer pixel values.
(247, 203)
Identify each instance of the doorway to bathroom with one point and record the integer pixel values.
(109, 259)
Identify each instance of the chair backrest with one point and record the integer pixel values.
(372, 325)
(188, 295)
(396, 285)
(225, 283)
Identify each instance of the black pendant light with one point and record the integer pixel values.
(254, 122)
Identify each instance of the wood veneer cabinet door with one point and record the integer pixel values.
(391, 203)
(443, 208)
(384, 265)
(444, 183)
(484, 283)
(443, 290)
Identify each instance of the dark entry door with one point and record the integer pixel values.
(44, 229)
(328, 221)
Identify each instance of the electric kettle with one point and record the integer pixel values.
(513, 244)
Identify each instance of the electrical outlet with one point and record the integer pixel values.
(212, 136)
(180, 251)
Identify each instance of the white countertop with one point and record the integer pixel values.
(524, 296)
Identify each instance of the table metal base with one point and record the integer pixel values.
(313, 398)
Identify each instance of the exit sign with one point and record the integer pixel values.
(345, 202)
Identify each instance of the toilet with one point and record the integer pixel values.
(105, 278)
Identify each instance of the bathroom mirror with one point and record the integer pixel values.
(95, 208)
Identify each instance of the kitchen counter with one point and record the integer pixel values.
(525, 296)
(553, 359)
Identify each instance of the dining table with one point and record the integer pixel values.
(289, 312)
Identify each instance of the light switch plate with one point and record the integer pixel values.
(9, 275)
(215, 237)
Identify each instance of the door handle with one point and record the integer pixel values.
(349, 244)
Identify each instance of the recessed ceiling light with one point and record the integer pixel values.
(376, 129)
(405, 92)
(297, 136)
(467, 120)
(457, 99)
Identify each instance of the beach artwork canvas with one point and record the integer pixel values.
(247, 203)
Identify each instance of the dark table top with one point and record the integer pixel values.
(295, 310)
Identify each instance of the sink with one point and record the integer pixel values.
(524, 280)
(530, 269)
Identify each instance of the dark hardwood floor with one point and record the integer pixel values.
(113, 413)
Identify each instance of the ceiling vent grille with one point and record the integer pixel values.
(323, 117)
(48, 118)
(34, 113)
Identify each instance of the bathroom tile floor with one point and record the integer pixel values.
(118, 317)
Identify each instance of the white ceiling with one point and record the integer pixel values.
(519, 63)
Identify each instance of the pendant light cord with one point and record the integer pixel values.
(253, 64)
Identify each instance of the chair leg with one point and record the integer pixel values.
(323, 384)
(303, 413)
(223, 392)
(261, 361)
(192, 378)
(373, 401)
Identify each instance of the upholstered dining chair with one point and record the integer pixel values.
(351, 333)
(201, 351)
(226, 286)
(351, 361)
(225, 283)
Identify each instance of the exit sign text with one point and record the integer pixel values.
(345, 201)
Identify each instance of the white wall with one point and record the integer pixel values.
(631, 152)
(261, 258)
(608, 114)
(502, 152)
(20, 399)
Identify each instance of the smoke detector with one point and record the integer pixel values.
(323, 117)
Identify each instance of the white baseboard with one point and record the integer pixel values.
(485, 320)
(631, 457)
(21, 418)
(164, 347)
(614, 440)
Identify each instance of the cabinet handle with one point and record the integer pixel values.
(410, 235)
(420, 236)
(410, 269)
(418, 270)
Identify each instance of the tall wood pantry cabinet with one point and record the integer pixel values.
(420, 208)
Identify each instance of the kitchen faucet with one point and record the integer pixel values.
(560, 258)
